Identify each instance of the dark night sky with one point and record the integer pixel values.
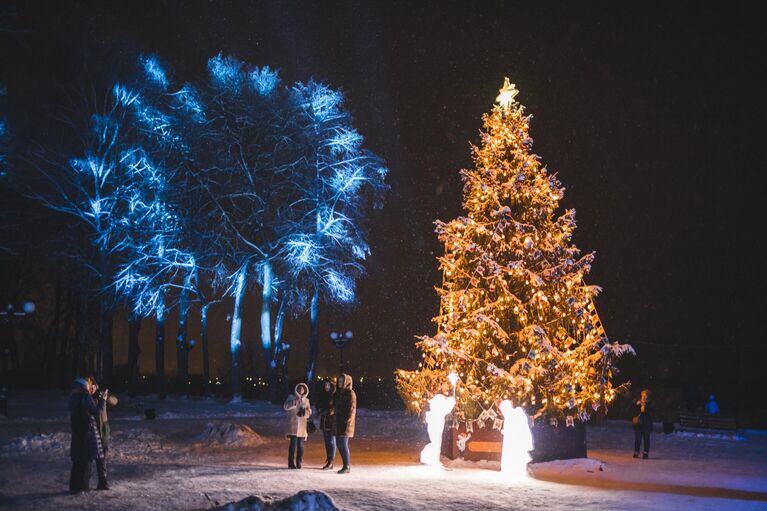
(653, 118)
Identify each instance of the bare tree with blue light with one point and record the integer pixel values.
(340, 182)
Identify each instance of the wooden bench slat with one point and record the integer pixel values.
(702, 421)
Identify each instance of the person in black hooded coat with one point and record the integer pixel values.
(327, 413)
(102, 421)
(86, 443)
(345, 401)
(642, 422)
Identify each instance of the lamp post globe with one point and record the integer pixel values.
(341, 340)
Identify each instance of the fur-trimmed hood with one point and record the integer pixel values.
(346, 382)
(305, 387)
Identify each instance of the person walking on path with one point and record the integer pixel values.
(642, 422)
(712, 408)
(299, 410)
(86, 443)
(326, 411)
(345, 401)
(104, 430)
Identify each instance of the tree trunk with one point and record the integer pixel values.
(159, 351)
(182, 343)
(52, 348)
(134, 328)
(314, 340)
(205, 354)
(106, 361)
(79, 351)
(266, 318)
(106, 358)
(285, 376)
(272, 367)
(234, 339)
(63, 372)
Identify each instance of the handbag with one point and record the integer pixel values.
(635, 420)
(310, 426)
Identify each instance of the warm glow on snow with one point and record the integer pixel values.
(517, 442)
(439, 406)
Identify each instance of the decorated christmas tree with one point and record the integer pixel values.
(517, 320)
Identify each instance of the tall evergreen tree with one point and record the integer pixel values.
(517, 320)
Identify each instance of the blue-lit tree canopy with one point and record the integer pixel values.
(339, 181)
(217, 187)
(159, 266)
(85, 184)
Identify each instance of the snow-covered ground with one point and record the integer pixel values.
(202, 454)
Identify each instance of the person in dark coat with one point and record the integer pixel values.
(643, 424)
(712, 408)
(345, 401)
(326, 410)
(104, 430)
(86, 440)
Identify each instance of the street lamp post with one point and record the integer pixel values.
(341, 340)
(8, 351)
(8, 318)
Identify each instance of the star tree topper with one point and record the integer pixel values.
(507, 94)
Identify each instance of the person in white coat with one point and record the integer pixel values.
(298, 410)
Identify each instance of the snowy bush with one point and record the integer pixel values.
(301, 501)
(230, 435)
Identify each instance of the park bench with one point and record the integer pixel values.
(706, 422)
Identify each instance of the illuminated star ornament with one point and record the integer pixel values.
(507, 94)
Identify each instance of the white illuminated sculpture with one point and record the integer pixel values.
(517, 442)
(439, 406)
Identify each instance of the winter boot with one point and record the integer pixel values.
(101, 471)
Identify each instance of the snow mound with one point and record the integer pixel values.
(38, 442)
(717, 436)
(302, 501)
(230, 435)
(575, 465)
(134, 435)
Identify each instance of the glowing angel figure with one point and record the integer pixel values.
(439, 407)
(517, 441)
